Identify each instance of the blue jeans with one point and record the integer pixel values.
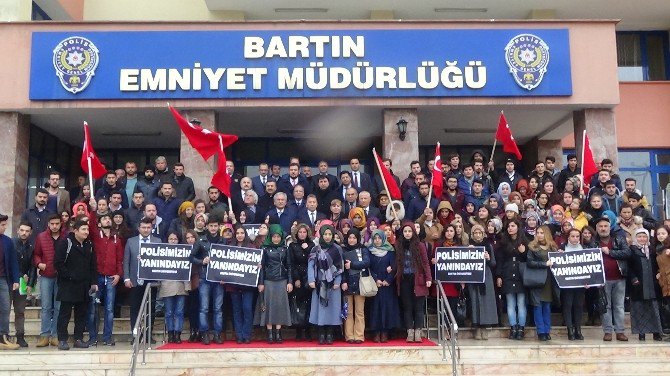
(243, 314)
(211, 289)
(542, 315)
(516, 308)
(106, 295)
(174, 312)
(50, 306)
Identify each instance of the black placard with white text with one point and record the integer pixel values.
(460, 264)
(164, 262)
(575, 269)
(231, 264)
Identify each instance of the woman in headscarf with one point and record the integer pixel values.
(358, 219)
(324, 275)
(301, 297)
(356, 262)
(413, 280)
(662, 249)
(275, 283)
(241, 297)
(399, 210)
(345, 225)
(384, 311)
(515, 198)
(372, 225)
(644, 314)
(523, 189)
(445, 213)
(497, 205)
(484, 312)
(388, 231)
(201, 223)
(504, 190)
(532, 224)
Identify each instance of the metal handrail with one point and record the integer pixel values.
(142, 330)
(447, 329)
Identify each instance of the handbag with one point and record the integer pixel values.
(298, 311)
(367, 286)
(461, 309)
(534, 277)
(601, 303)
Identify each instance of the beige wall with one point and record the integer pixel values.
(592, 49)
(15, 10)
(155, 10)
(642, 117)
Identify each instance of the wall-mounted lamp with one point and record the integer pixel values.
(402, 128)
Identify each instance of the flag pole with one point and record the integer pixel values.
(230, 202)
(430, 190)
(495, 141)
(88, 161)
(581, 185)
(395, 214)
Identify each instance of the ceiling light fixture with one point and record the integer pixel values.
(301, 10)
(461, 10)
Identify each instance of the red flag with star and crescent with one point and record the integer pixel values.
(206, 142)
(589, 167)
(504, 135)
(436, 181)
(98, 169)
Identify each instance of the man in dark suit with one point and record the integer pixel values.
(131, 264)
(309, 214)
(287, 183)
(298, 199)
(361, 180)
(365, 202)
(345, 178)
(258, 182)
(350, 202)
(235, 178)
(251, 210)
(267, 200)
(281, 213)
(323, 171)
(238, 196)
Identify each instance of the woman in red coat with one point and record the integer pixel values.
(413, 279)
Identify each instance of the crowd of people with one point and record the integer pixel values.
(322, 236)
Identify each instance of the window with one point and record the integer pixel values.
(643, 56)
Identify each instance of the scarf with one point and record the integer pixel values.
(327, 259)
(274, 229)
(643, 248)
(383, 249)
(360, 212)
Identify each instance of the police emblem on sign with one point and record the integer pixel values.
(527, 57)
(75, 60)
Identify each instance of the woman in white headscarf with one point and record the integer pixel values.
(642, 269)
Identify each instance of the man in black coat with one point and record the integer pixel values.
(24, 255)
(309, 214)
(566, 173)
(324, 194)
(183, 185)
(37, 215)
(281, 213)
(365, 202)
(323, 172)
(77, 279)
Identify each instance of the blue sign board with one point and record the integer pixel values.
(300, 64)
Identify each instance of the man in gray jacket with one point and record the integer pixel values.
(131, 265)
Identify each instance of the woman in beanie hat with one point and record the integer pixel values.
(185, 220)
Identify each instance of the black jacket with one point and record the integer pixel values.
(201, 250)
(24, 256)
(184, 187)
(276, 265)
(76, 269)
(620, 251)
(360, 262)
(300, 257)
(38, 220)
(642, 274)
(509, 265)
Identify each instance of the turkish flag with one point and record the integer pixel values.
(589, 167)
(206, 142)
(387, 177)
(504, 135)
(98, 169)
(221, 179)
(437, 174)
